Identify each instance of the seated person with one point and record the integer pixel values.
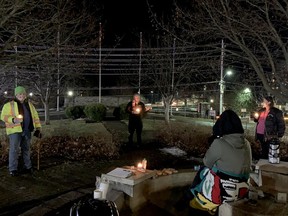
(227, 164)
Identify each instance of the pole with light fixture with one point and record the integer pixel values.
(222, 87)
(100, 62)
(140, 64)
(70, 94)
(222, 76)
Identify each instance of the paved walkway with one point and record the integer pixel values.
(57, 183)
(55, 178)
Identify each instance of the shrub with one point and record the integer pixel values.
(194, 140)
(4, 149)
(120, 112)
(189, 138)
(76, 148)
(95, 112)
(75, 112)
(255, 146)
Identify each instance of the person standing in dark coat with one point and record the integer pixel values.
(270, 124)
(136, 110)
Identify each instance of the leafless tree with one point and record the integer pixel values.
(255, 33)
(199, 60)
(35, 34)
(175, 68)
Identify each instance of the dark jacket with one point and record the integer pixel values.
(140, 115)
(274, 124)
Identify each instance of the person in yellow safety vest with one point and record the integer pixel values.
(21, 119)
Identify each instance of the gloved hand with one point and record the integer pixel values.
(17, 120)
(37, 133)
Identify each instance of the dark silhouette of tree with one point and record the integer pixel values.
(37, 43)
(254, 32)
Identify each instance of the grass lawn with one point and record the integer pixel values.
(68, 127)
(73, 128)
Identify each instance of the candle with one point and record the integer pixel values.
(138, 110)
(139, 166)
(144, 163)
(256, 115)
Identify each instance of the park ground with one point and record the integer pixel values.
(57, 176)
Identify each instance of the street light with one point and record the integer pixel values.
(222, 86)
(247, 90)
(70, 93)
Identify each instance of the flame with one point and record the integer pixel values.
(139, 165)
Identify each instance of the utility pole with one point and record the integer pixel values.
(16, 54)
(221, 83)
(100, 43)
(140, 63)
(58, 70)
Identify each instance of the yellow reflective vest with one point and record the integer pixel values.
(10, 111)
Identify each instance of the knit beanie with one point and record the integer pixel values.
(269, 98)
(19, 90)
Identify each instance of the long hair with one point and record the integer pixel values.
(228, 123)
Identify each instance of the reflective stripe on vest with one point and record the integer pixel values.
(12, 108)
(37, 121)
(12, 111)
(6, 118)
(11, 125)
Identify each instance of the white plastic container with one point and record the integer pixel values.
(104, 186)
(97, 194)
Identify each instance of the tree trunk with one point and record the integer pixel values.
(47, 114)
(167, 103)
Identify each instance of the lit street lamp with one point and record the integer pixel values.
(222, 86)
(70, 93)
(247, 90)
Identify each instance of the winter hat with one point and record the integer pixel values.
(269, 99)
(19, 90)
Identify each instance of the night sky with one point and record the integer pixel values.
(127, 18)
